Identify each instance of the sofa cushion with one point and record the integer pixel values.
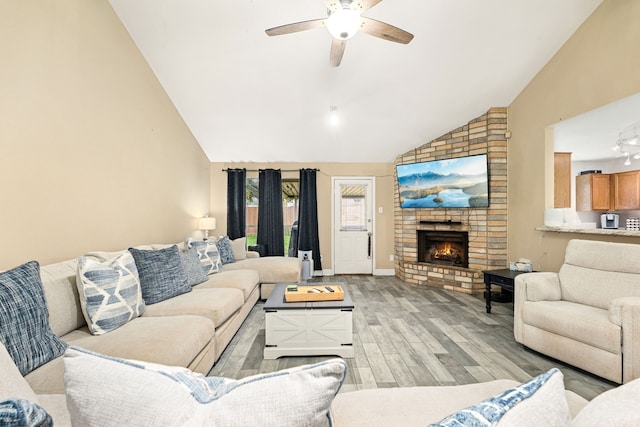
(153, 339)
(208, 254)
(56, 406)
(226, 251)
(61, 294)
(397, 406)
(161, 273)
(110, 293)
(192, 267)
(245, 280)
(12, 383)
(22, 412)
(617, 407)
(540, 401)
(239, 248)
(24, 319)
(216, 305)
(584, 323)
(175, 340)
(594, 273)
(171, 396)
(273, 269)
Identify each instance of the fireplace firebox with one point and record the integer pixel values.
(444, 247)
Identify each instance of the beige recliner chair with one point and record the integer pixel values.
(587, 314)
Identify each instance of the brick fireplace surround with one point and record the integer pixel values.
(487, 227)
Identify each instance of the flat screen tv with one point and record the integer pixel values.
(452, 183)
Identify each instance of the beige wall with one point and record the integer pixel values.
(93, 155)
(384, 183)
(598, 65)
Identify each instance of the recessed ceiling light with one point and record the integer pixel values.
(334, 119)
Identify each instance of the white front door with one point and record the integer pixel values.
(353, 225)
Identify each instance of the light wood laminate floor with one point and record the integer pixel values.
(406, 335)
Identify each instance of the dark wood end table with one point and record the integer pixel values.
(504, 278)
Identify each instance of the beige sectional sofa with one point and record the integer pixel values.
(407, 406)
(587, 314)
(189, 330)
(277, 270)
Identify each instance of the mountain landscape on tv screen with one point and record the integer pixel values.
(433, 190)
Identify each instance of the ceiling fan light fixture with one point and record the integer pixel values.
(343, 24)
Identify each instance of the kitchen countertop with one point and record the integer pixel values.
(596, 231)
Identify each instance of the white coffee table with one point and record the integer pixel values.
(308, 328)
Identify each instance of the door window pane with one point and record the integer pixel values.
(353, 214)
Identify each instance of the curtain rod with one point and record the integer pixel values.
(281, 170)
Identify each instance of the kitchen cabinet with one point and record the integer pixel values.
(562, 180)
(593, 192)
(626, 190)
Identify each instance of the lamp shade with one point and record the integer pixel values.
(207, 223)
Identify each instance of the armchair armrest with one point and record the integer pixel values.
(625, 312)
(253, 254)
(538, 286)
(542, 286)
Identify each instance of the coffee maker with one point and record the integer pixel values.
(609, 220)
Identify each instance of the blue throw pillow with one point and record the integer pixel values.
(161, 274)
(551, 409)
(226, 252)
(24, 319)
(207, 253)
(193, 267)
(110, 293)
(23, 413)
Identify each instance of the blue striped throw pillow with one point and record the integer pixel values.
(110, 293)
(161, 274)
(24, 319)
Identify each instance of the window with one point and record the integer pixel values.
(290, 199)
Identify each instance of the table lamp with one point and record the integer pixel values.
(207, 224)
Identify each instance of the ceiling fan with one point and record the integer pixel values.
(344, 20)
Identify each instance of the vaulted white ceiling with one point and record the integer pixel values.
(249, 97)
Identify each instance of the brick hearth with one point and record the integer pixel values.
(487, 227)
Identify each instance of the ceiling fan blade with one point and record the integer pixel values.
(296, 27)
(385, 31)
(364, 5)
(337, 50)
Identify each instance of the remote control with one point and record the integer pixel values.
(329, 289)
(314, 291)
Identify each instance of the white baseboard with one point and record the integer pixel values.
(376, 272)
(384, 272)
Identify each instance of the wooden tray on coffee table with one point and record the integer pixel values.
(303, 294)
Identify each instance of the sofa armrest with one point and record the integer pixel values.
(253, 254)
(541, 286)
(625, 312)
(538, 286)
(618, 305)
